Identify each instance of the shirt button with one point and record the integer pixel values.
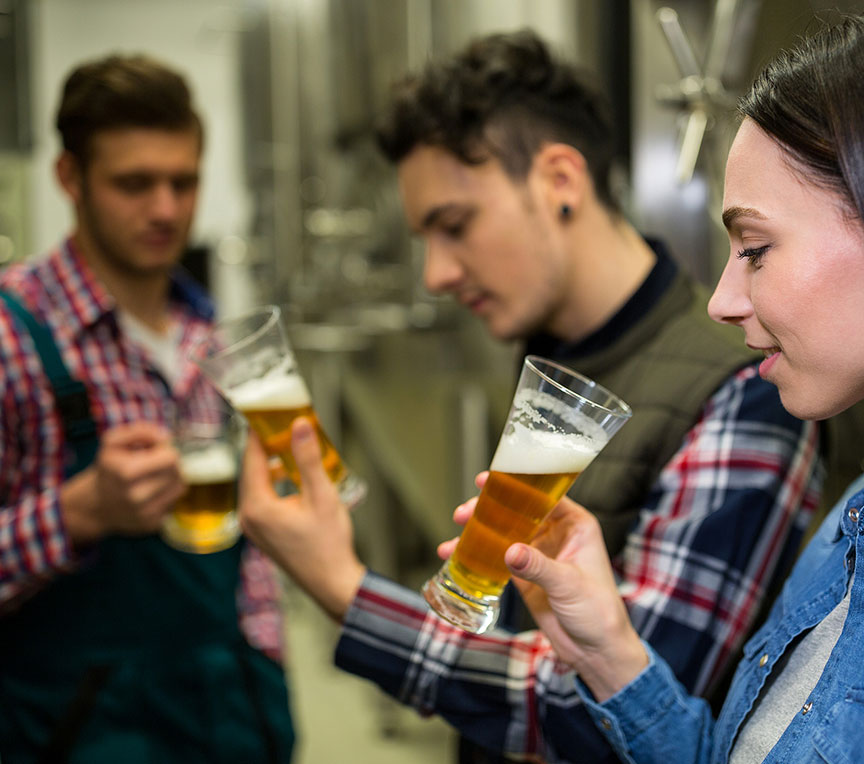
(853, 514)
(806, 707)
(763, 660)
(606, 724)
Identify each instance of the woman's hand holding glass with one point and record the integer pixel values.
(566, 580)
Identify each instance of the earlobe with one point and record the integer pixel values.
(565, 175)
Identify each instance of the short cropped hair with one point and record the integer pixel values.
(503, 96)
(122, 92)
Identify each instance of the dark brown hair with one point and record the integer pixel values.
(503, 96)
(122, 92)
(810, 99)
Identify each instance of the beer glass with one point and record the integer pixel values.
(205, 520)
(558, 422)
(249, 360)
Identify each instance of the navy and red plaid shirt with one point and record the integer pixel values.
(724, 516)
(123, 386)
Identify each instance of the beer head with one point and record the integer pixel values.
(532, 452)
(544, 435)
(208, 463)
(275, 391)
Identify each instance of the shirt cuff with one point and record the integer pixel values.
(379, 632)
(636, 706)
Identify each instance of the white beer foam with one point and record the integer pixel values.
(271, 392)
(550, 413)
(214, 463)
(542, 453)
(547, 435)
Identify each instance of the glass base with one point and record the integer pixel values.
(352, 489)
(197, 540)
(452, 604)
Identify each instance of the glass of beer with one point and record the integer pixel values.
(250, 361)
(205, 520)
(558, 422)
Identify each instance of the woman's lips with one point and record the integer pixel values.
(771, 357)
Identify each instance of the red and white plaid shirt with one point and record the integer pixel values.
(123, 386)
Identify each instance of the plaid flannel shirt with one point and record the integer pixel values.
(724, 519)
(123, 387)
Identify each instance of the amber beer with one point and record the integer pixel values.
(529, 474)
(271, 405)
(204, 519)
(249, 360)
(558, 422)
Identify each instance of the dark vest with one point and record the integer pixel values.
(666, 367)
(136, 656)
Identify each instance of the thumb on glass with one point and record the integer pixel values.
(307, 456)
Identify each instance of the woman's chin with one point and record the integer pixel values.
(813, 408)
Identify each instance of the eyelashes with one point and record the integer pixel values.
(753, 254)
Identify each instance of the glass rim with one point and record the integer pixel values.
(622, 411)
(273, 312)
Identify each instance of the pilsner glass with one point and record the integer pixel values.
(249, 360)
(204, 519)
(558, 422)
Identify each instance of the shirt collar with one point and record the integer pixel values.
(852, 515)
(187, 291)
(89, 301)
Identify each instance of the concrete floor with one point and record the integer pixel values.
(345, 720)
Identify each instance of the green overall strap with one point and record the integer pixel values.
(141, 635)
(73, 405)
(79, 429)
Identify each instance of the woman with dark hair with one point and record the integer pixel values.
(794, 282)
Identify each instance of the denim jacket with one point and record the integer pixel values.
(653, 719)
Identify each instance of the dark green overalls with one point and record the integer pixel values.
(137, 656)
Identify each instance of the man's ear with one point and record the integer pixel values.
(562, 172)
(69, 175)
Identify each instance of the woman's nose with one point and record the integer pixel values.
(730, 303)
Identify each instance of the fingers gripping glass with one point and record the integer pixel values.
(250, 361)
(558, 422)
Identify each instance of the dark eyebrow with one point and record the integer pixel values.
(435, 214)
(731, 214)
(146, 173)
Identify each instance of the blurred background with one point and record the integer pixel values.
(298, 208)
